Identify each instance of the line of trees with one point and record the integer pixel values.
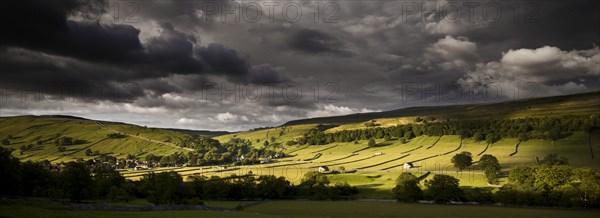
(78, 181)
(551, 128)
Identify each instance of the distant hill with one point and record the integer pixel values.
(585, 103)
(202, 133)
(34, 138)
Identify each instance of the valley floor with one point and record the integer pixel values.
(377, 168)
(307, 209)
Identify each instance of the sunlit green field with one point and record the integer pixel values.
(281, 134)
(377, 167)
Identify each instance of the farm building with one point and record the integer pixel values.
(141, 167)
(408, 165)
(323, 169)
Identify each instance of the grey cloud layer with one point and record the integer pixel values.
(174, 56)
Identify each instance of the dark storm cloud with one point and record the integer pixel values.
(316, 42)
(43, 26)
(113, 44)
(173, 53)
(38, 33)
(222, 59)
(266, 74)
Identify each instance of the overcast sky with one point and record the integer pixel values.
(236, 65)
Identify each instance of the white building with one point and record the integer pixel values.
(323, 169)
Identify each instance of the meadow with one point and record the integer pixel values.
(376, 168)
(310, 209)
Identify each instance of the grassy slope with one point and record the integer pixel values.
(377, 183)
(281, 134)
(586, 103)
(29, 129)
(381, 176)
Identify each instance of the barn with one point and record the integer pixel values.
(323, 169)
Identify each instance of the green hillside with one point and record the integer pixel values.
(377, 167)
(371, 168)
(41, 132)
(578, 104)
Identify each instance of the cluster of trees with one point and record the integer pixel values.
(115, 136)
(491, 168)
(552, 183)
(89, 152)
(551, 128)
(6, 141)
(487, 163)
(169, 188)
(441, 188)
(26, 147)
(316, 185)
(76, 181)
(245, 187)
(65, 141)
(79, 181)
(209, 151)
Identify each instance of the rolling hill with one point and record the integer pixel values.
(373, 169)
(41, 132)
(577, 104)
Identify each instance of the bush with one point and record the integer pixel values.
(372, 143)
(554, 159)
